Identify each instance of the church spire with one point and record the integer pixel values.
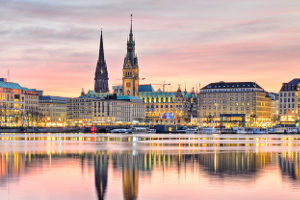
(101, 50)
(101, 74)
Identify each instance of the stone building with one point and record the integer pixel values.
(31, 114)
(169, 107)
(53, 110)
(234, 104)
(102, 108)
(289, 102)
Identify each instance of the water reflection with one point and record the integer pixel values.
(101, 171)
(15, 165)
(126, 172)
(130, 176)
(290, 164)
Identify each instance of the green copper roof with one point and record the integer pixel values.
(92, 93)
(127, 98)
(10, 85)
(157, 94)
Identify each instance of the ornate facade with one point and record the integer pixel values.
(130, 68)
(169, 107)
(101, 75)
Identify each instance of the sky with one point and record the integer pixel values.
(53, 45)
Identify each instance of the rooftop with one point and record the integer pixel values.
(146, 88)
(226, 85)
(291, 86)
(295, 81)
(121, 97)
(10, 85)
(53, 98)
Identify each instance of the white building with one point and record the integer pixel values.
(102, 108)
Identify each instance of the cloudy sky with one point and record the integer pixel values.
(53, 44)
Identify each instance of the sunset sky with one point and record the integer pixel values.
(53, 44)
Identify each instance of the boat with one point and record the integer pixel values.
(122, 130)
(244, 130)
(191, 130)
(282, 129)
(140, 129)
(210, 131)
(151, 131)
(260, 131)
(181, 129)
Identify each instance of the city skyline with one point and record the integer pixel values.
(53, 46)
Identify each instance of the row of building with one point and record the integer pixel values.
(225, 104)
(217, 104)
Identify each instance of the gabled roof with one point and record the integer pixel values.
(146, 88)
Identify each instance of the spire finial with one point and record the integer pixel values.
(101, 50)
(130, 34)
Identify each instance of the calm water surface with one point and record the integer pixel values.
(108, 166)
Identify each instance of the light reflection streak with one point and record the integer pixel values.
(218, 161)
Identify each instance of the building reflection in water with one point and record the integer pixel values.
(290, 164)
(130, 176)
(134, 164)
(101, 173)
(234, 163)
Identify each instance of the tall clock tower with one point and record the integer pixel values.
(130, 68)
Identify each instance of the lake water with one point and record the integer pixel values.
(108, 166)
